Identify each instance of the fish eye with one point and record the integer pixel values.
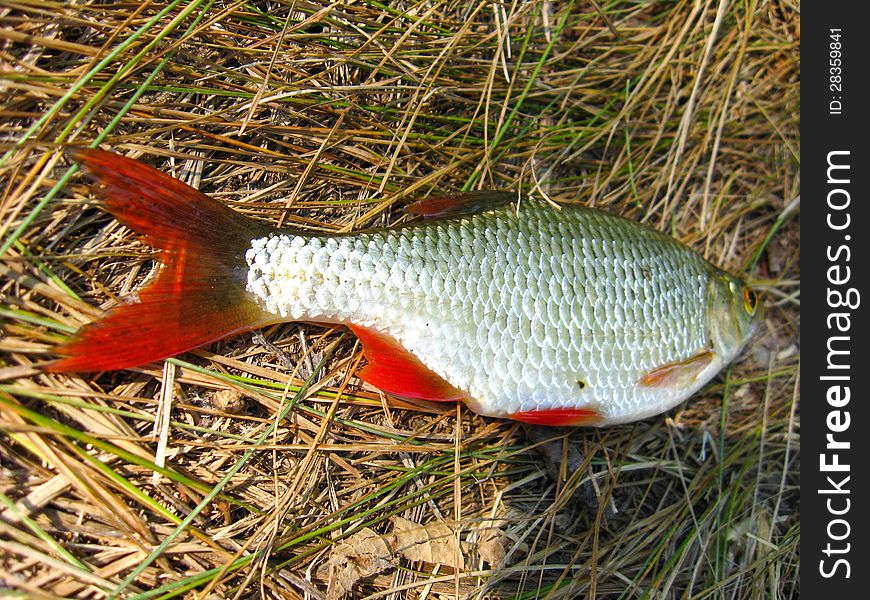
(750, 300)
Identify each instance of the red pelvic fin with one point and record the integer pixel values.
(396, 371)
(678, 374)
(199, 295)
(559, 416)
(465, 203)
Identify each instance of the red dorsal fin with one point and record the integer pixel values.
(199, 295)
(678, 374)
(396, 371)
(559, 416)
(463, 203)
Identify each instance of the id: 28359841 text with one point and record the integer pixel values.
(835, 71)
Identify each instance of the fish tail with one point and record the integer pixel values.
(199, 293)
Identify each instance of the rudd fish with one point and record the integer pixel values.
(525, 311)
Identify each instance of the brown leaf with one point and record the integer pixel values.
(432, 543)
(491, 546)
(363, 554)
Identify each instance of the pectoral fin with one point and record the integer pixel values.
(678, 374)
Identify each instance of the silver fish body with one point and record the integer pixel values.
(524, 310)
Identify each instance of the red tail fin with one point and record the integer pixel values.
(199, 295)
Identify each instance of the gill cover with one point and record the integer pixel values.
(733, 313)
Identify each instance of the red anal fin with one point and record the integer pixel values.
(199, 295)
(678, 374)
(559, 416)
(464, 203)
(396, 371)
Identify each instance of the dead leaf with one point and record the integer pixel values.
(491, 546)
(363, 554)
(366, 553)
(493, 539)
(432, 543)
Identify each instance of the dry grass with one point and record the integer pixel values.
(241, 470)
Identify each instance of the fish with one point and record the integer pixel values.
(547, 315)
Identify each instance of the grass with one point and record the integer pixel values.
(235, 471)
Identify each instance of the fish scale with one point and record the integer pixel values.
(542, 298)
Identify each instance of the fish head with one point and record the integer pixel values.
(733, 313)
